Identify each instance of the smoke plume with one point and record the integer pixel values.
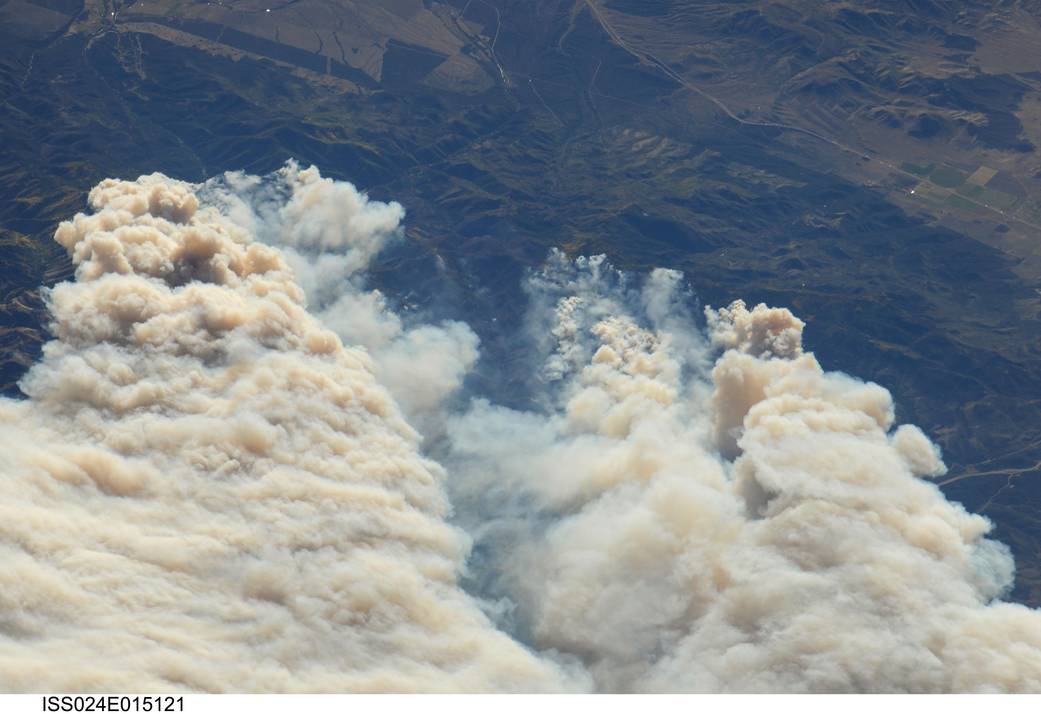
(219, 481)
(713, 512)
(207, 490)
(328, 234)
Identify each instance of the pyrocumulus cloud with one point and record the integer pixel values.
(716, 513)
(217, 483)
(206, 490)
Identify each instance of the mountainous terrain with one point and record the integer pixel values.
(872, 165)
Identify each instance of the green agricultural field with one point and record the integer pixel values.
(959, 202)
(999, 199)
(916, 169)
(947, 177)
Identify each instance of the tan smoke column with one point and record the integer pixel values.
(755, 526)
(207, 490)
(329, 233)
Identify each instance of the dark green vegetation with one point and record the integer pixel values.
(768, 149)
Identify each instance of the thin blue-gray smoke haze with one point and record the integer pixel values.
(219, 482)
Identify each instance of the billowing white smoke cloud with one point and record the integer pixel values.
(754, 525)
(207, 490)
(329, 233)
